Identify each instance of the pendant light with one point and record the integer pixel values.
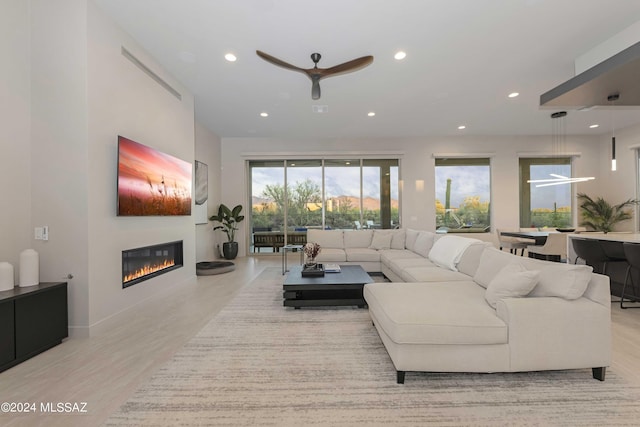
(612, 99)
(558, 146)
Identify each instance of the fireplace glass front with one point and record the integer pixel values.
(140, 264)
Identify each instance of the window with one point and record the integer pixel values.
(342, 194)
(544, 206)
(267, 195)
(463, 194)
(304, 194)
(315, 193)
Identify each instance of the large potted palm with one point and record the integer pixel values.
(228, 219)
(600, 215)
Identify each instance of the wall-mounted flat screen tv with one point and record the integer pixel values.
(150, 182)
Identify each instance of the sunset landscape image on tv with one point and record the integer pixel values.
(151, 182)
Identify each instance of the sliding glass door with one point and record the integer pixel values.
(290, 196)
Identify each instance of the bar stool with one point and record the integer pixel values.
(632, 254)
(591, 252)
(613, 250)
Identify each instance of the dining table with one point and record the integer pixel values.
(539, 237)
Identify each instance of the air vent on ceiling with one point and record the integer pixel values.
(150, 73)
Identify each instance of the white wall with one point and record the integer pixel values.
(123, 100)
(66, 94)
(59, 151)
(416, 167)
(208, 147)
(15, 131)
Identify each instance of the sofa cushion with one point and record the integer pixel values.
(410, 238)
(398, 239)
(326, 238)
(387, 256)
(423, 244)
(399, 265)
(447, 251)
(491, 262)
(381, 240)
(470, 259)
(513, 281)
(419, 313)
(563, 281)
(432, 274)
(357, 238)
(362, 254)
(331, 255)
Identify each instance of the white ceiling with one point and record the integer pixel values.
(463, 58)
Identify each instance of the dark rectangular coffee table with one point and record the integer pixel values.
(343, 288)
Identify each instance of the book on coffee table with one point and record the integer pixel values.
(331, 268)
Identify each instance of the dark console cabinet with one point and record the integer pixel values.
(32, 319)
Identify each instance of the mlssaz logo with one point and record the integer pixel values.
(65, 407)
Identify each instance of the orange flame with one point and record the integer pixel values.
(148, 269)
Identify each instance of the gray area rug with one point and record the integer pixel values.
(258, 363)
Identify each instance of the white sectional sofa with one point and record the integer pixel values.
(457, 304)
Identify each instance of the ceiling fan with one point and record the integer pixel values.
(315, 73)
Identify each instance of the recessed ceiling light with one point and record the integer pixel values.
(593, 126)
(371, 113)
(461, 127)
(230, 57)
(264, 114)
(347, 163)
(400, 55)
(513, 94)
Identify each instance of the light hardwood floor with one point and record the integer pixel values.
(105, 370)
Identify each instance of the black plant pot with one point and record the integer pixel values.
(230, 250)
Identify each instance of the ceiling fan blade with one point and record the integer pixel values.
(278, 62)
(347, 67)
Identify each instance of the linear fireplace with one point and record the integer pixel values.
(140, 264)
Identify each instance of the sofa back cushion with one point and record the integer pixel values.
(423, 244)
(470, 259)
(326, 238)
(447, 251)
(398, 239)
(555, 280)
(410, 239)
(491, 262)
(381, 240)
(357, 238)
(566, 281)
(563, 281)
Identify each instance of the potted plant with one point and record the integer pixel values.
(228, 219)
(599, 215)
